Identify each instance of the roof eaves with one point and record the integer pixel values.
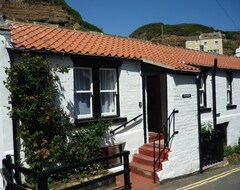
(167, 66)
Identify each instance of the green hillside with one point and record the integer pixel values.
(175, 35)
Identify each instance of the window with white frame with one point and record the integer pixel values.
(95, 92)
(205, 43)
(203, 101)
(108, 91)
(216, 43)
(229, 88)
(83, 91)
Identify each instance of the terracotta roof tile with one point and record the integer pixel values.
(40, 37)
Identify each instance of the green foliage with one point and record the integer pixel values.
(229, 150)
(207, 127)
(155, 29)
(84, 143)
(46, 130)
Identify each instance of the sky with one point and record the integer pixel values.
(122, 17)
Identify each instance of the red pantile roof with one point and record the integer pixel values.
(40, 37)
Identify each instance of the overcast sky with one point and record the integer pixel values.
(122, 17)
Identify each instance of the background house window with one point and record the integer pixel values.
(205, 43)
(83, 91)
(229, 89)
(203, 100)
(216, 43)
(108, 91)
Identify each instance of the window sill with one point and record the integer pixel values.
(205, 110)
(85, 122)
(231, 106)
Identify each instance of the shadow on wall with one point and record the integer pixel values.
(183, 80)
(128, 127)
(61, 97)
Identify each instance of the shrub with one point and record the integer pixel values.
(46, 131)
(228, 150)
(207, 128)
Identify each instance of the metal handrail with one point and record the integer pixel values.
(125, 124)
(167, 139)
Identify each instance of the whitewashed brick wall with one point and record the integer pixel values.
(6, 136)
(184, 155)
(233, 115)
(130, 94)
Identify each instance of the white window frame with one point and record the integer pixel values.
(216, 43)
(115, 90)
(229, 89)
(203, 90)
(90, 115)
(205, 43)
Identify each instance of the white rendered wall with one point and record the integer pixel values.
(6, 136)
(232, 115)
(184, 155)
(130, 94)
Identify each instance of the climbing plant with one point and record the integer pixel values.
(46, 131)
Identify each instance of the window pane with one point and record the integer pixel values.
(201, 98)
(108, 102)
(82, 79)
(82, 104)
(107, 79)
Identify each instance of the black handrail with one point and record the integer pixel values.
(167, 138)
(125, 124)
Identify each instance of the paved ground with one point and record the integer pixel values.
(222, 178)
(138, 182)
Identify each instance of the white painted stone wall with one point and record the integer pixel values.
(130, 94)
(6, 136)
(233, 115)
(184, 155)
(238, 52)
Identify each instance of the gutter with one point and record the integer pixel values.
(199, 123)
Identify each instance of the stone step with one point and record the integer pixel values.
(146, 160)
(143, 170)
(154, 136)
(148, 151)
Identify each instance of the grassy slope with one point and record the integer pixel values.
(152, 31)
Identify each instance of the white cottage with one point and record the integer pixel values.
(141, 86)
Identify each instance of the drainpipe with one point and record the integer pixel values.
(15, 128)
(214, 93)
(199, 123)
(144, 108)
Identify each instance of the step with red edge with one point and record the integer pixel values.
(148, 151)
(146, 160)
(143, 170)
